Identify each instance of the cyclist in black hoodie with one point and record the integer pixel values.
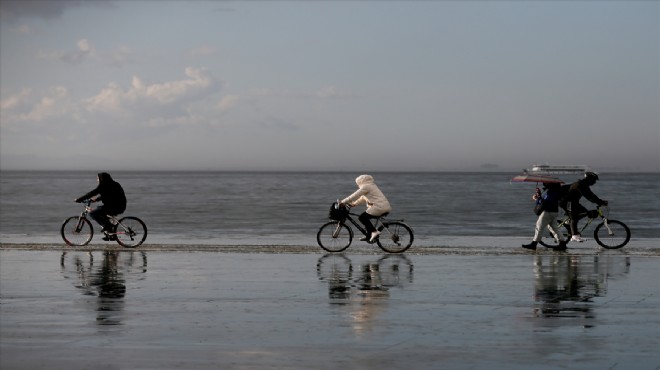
(114, 201)
(571, 202)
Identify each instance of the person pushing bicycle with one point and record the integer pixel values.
(113, 197)
(377, 204)
(571, 202)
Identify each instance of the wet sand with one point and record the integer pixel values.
(293, 307)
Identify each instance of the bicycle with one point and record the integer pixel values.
(129, 231)
(609, 234)
(337, 235)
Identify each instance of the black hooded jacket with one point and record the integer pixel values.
(111, 193)
(580, 189)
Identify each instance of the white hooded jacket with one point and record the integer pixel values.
(369, 193)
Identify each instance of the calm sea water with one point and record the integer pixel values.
(203, 207)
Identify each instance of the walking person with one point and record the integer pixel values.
(377, 204)
(547, 208)
(112, 195)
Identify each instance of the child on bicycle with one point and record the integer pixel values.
(114, 201)
(377, 204)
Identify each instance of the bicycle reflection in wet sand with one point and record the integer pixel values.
(363, 290)
(565, 285)
(105, 280)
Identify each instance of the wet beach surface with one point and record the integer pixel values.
(247, 307)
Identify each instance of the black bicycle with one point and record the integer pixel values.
(610, 234)
(128, 231)
(337, 235)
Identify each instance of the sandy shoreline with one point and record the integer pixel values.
(645, 249)
(293, 307)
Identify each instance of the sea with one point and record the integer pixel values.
(287, 208)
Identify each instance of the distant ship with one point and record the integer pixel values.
(546, 169)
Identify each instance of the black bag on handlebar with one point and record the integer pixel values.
(337, 212)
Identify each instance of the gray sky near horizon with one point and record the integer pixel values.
(345, 85)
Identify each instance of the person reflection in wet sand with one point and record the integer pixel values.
(111, 287)
(107, 283)
(364, 292)
(565, 285)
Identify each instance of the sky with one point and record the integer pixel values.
(329, 85)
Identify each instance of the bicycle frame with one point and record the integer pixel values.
(566, 221)
(83, 216)
(379, 220)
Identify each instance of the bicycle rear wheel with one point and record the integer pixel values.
(395, 237)
(612, 234)
(77, 231)
(334, 236)
(130, 232)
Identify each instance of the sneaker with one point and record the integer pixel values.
(364, 239)
(577, 238)
(374, 236)
(560, 247)
(530, 246)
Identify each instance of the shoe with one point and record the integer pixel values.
(109, 238)
(578, 238)
(364, 239)
(374, 236)
(530, 246)
(561, 246)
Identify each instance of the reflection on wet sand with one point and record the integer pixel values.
(565, 285)
(105, 280)
(363, 291)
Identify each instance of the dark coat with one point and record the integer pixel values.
(576, 191)
(111, 194)
(550, 200)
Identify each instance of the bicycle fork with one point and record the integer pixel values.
(607, 226)
(335, 234)
(79, 226)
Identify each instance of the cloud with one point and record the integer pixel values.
(227, 102)
(168, 102)
(118, 58)
(13, 10)
(15, 100)
(85, 50)
(27, 106)
(158, 102)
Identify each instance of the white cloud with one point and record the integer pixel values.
(157, 101)
(119, 57)
(27, 106)
(15, 101)
(55, 104)
(85, 50)
(227, 102)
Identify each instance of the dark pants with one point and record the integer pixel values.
(577, 212)
(100, 215)
(366, 218)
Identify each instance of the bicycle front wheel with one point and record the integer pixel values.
(612, 234)
(334, 236)
(395, 237)
(77, 231)
(130, 232)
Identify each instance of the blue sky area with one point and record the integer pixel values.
(329, 85)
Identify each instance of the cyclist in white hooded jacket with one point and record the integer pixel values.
(377, 204)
